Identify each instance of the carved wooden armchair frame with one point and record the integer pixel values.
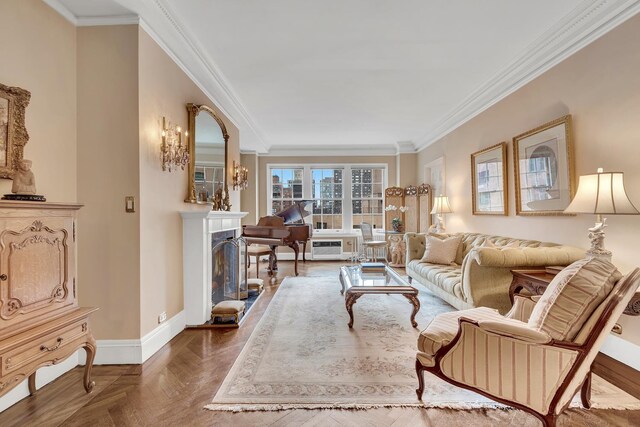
(583, 352)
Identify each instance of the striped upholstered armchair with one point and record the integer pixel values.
(538, 355)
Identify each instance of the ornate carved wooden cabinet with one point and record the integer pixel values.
(40, 321)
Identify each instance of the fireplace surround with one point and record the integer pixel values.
(200, 226)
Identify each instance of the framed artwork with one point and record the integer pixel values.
(543, 169)
(489, 181)
(13, 133)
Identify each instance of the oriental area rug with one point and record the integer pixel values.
(303, 355)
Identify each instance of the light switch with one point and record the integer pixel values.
(129, 204)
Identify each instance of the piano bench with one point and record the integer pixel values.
(257, 251)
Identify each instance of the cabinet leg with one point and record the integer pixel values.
(32, 384)
(90, 348)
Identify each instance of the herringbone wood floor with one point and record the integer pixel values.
(172, 387)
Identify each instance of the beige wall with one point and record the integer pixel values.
(249, 197)
(263, 161)
(38, 53)
(407, 170)
(164, 90)
(600, 87)
(109, 238)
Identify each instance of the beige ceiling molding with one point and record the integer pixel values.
(91, 21)
(343, 150)
(185, 48)
(588, 22)
(163, 28)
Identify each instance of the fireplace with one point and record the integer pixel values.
(228, 280)
(200, 227)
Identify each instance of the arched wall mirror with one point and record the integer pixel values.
(208, 140)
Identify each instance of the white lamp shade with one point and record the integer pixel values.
(441, 205)
(602, 193)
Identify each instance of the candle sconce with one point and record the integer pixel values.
(240, 176)
(174, 153)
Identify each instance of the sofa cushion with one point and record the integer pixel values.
(443, 328)
(440, 251)
(572, 296)
(447, 277)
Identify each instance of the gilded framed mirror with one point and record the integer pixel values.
(543, 168)
(208, 148)
(13, 133)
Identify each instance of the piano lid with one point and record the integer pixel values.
(296, 212)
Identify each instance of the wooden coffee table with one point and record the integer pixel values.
(356, 283)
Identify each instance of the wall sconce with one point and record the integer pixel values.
(240, 176)
(174, 153)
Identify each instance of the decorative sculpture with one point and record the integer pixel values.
(24, 184)
(397, 249)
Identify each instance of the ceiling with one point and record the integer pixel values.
(361, 74)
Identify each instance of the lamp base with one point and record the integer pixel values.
(596, 235)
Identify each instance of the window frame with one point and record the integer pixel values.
(347, 207)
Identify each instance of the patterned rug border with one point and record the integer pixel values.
(268, 407)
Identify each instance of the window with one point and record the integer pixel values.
(327, 193)
(286, 187)
(344, 195)
(367, 197)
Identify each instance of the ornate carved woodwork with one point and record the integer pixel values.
(40, 321)
(425, 198)
(412, 215)
(393, 196)
(535, 282)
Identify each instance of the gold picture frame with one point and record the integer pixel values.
(13, 133)
(543, 167)
(489, 190)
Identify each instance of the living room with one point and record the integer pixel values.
(281, 129)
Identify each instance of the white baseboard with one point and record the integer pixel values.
(44, 376)
(622, 350)
(135, 352)
(288, 256)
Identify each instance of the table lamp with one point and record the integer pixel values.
(440, 207)
(601, 193)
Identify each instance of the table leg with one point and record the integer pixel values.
(351, 299)
(32, 384)
(416, 307)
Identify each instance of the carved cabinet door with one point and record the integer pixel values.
(36, 272)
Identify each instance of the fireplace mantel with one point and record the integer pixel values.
(198, 224)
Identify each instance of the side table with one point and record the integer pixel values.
(535, 282)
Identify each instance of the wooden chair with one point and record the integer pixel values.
(257, 251)
(518, 365)
(369, 244)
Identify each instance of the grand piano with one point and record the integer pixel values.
(285, 228)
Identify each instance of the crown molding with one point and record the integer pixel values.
(62, 10)
(405, 147)
(162, 24)
(330, 151)
(95, 21)
(585, 24)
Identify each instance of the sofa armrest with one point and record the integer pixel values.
(415, 243)
(526, 257)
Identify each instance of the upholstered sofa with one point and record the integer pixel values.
(480, 276)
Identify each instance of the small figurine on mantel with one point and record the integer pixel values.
(24, 184)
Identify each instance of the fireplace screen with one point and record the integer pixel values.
(228, 279)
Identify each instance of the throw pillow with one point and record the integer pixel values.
(572, 296)
(440, 251)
